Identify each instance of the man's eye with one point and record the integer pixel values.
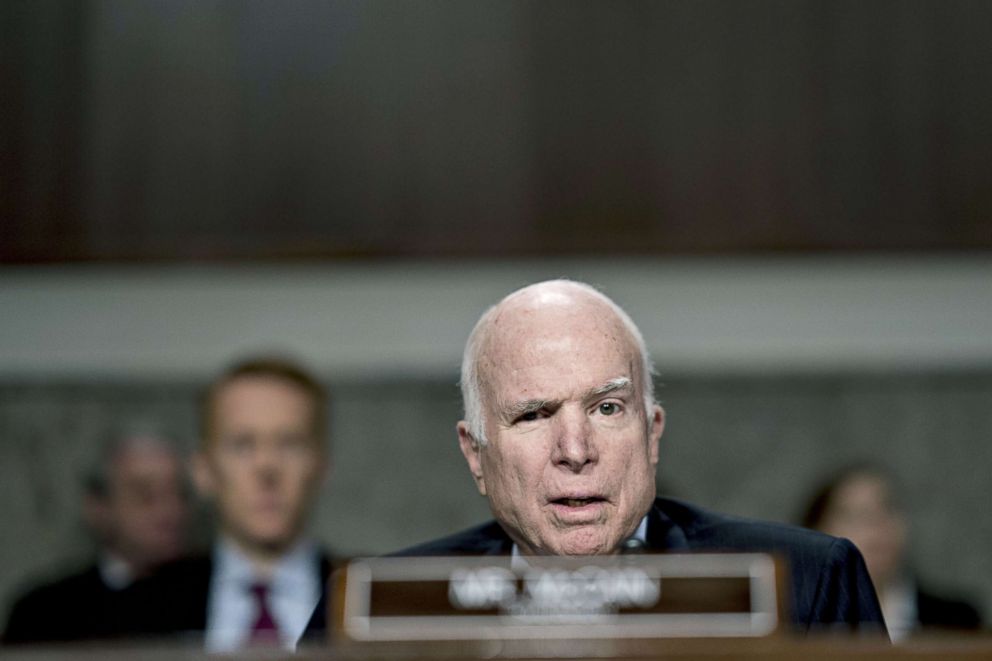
(529, 416)
(294, 443)
(609, 408)
(240, 444)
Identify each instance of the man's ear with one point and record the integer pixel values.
(326, 466)
(654, 434)
(470, 450)
(202, 474)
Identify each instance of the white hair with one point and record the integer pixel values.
(471, 380)
(133, 436)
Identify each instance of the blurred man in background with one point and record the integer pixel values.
(261, 461)
(859, 503)
(135, 505)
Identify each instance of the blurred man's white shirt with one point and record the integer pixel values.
(294, 589)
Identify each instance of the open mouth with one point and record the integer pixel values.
(578, 502)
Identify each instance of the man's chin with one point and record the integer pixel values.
(270, 540)
(585, 541)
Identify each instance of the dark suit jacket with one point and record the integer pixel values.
(78, 607)
(941, 612)
(829, 586)
(173, 603)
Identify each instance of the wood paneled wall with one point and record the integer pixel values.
(237, 130)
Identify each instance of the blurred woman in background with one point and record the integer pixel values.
(859, 503)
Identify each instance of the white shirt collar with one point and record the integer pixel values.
(294, 589)
(899, 607)
(295, 567)
(115, 572)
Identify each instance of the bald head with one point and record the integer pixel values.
(533, 316)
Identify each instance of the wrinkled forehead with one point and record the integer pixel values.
(554, 341)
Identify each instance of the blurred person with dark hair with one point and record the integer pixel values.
(860, 504)
(136, 507)
(261, 461)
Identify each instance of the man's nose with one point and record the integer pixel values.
(266, 462)
(171, 503)
(574, 447)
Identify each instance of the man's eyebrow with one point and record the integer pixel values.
(620, 383)
(513, 410)
(516, 409)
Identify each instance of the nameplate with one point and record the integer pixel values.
(485, 598)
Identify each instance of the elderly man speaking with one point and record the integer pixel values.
(561, 435)
(561, 430)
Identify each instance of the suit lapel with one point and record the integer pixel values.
(493, 540)
(663, 533)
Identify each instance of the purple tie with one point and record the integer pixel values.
(265, 631)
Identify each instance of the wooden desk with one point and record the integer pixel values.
(942, 648)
